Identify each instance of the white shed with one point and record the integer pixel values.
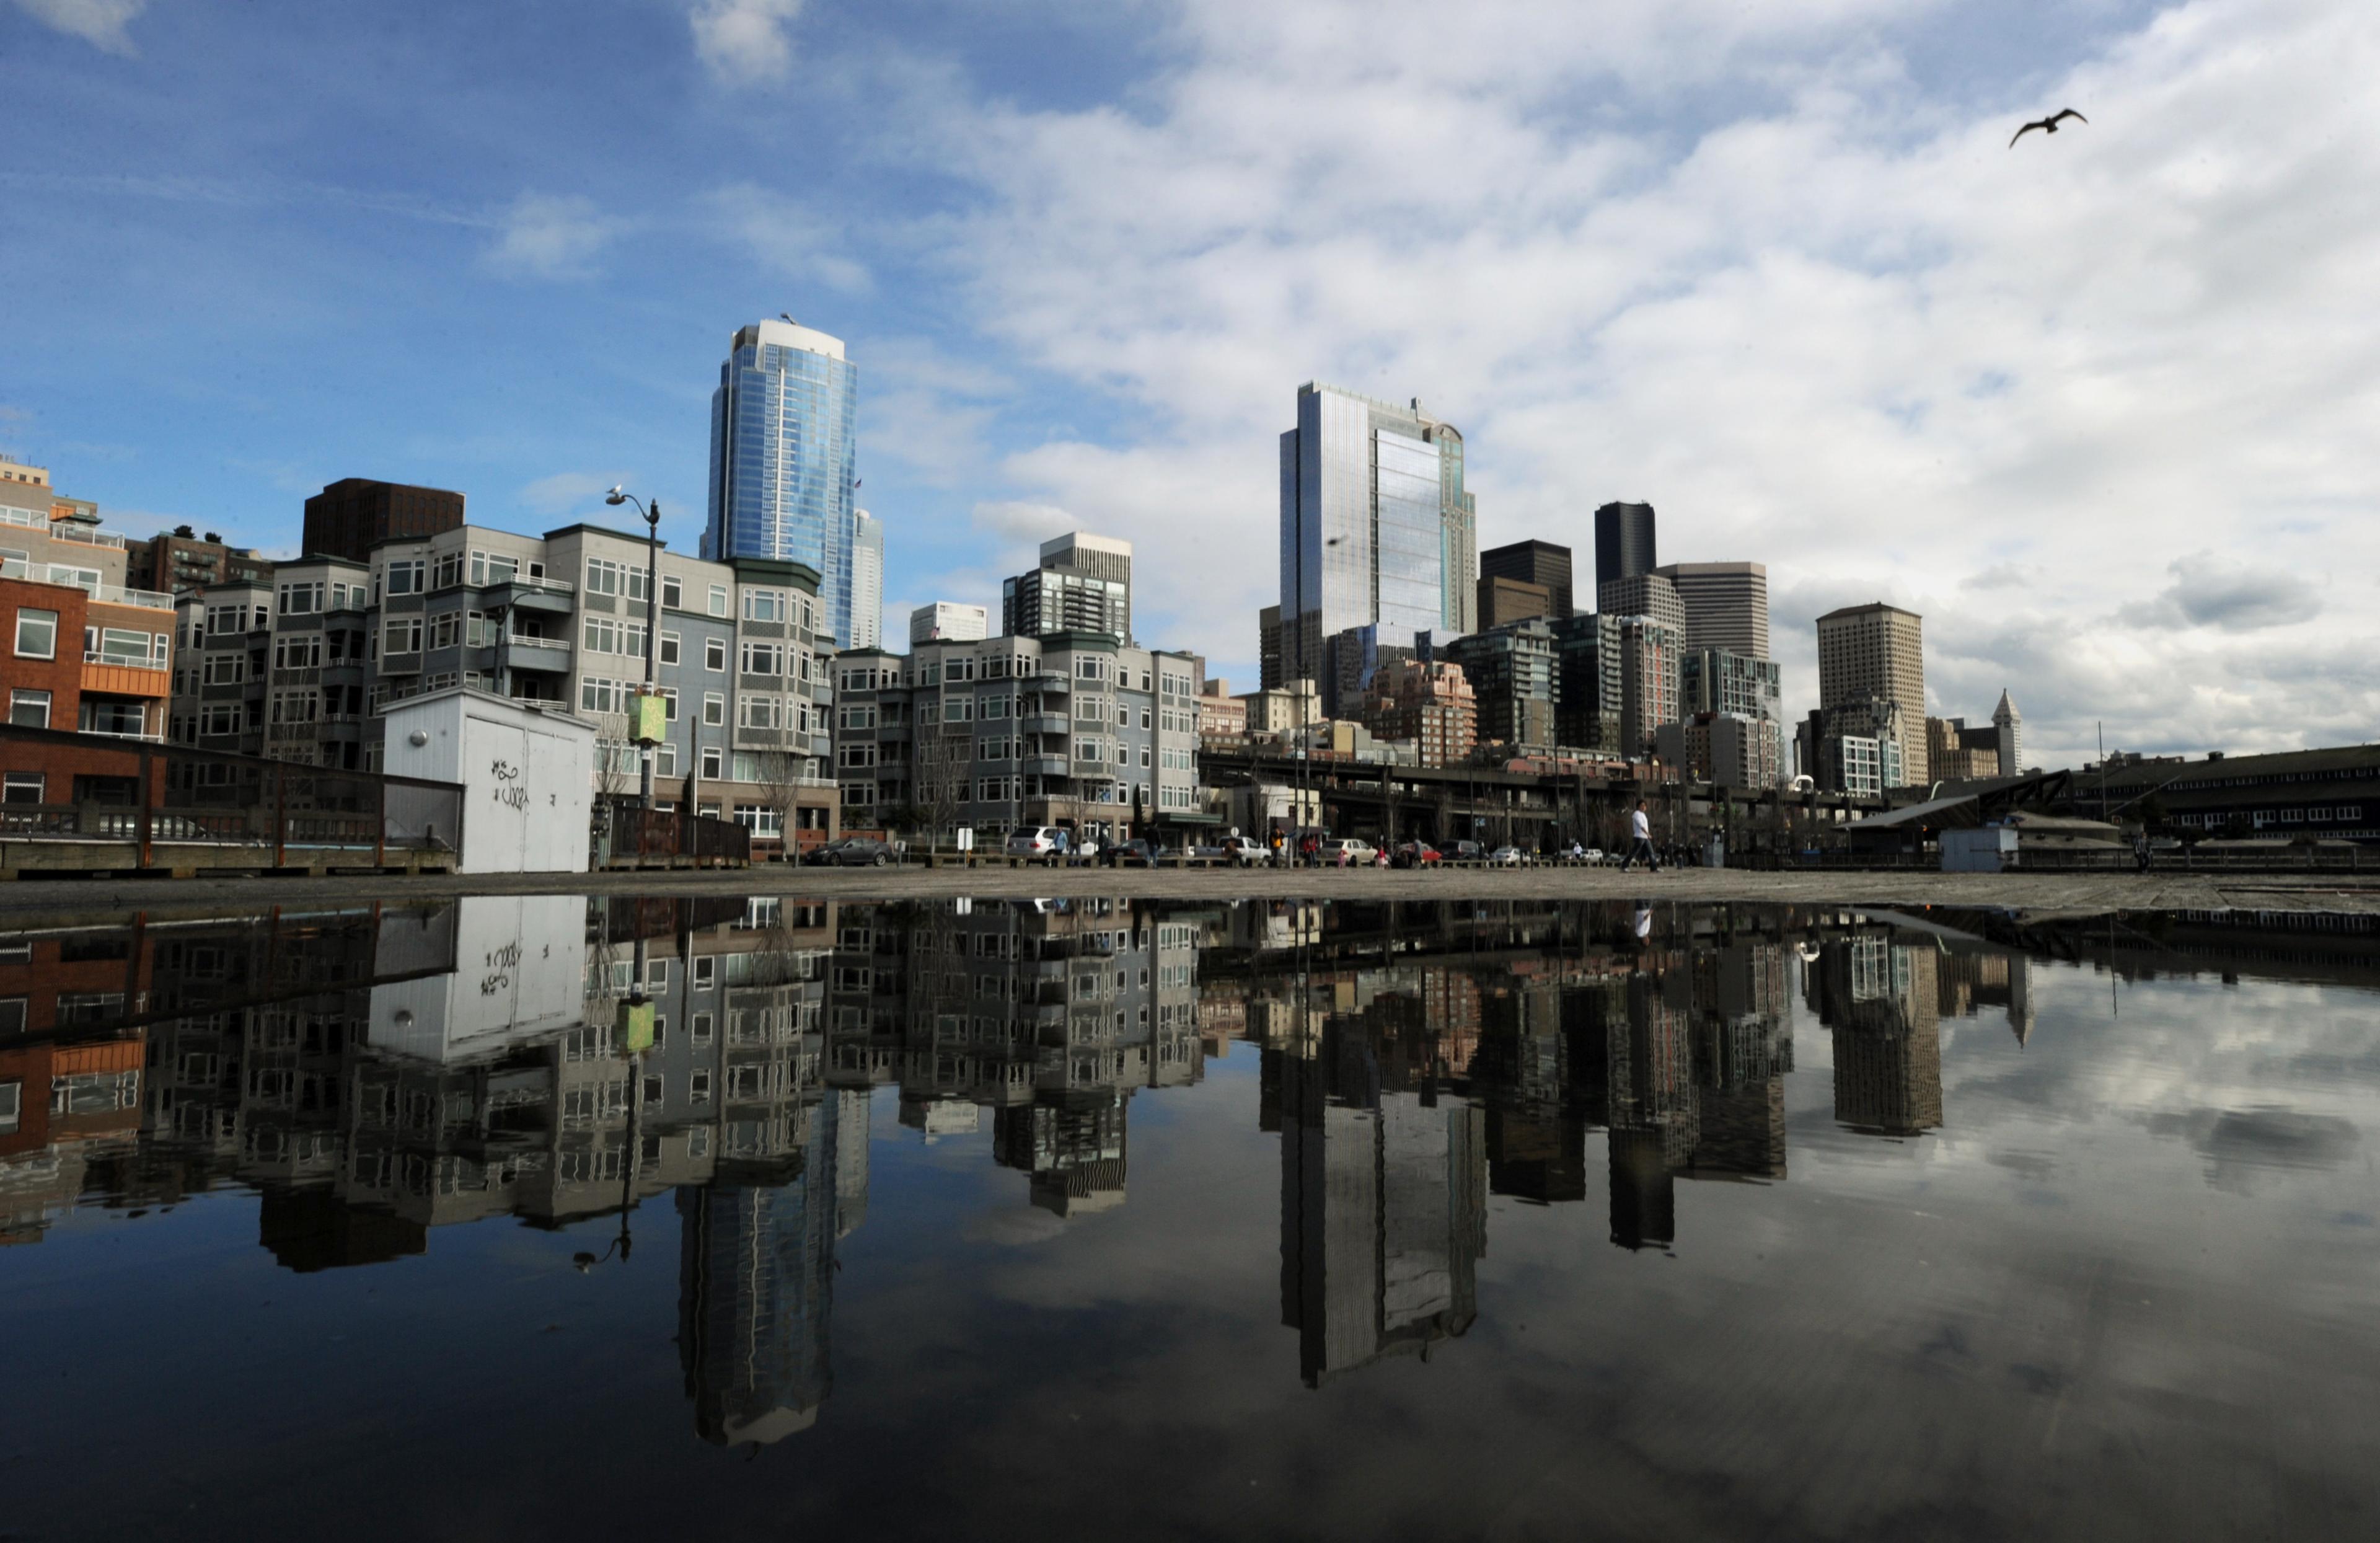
(527, 775)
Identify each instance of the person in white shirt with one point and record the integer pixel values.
(1640, 827)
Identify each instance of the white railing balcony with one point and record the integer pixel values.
(126, 734)
(100, 656)
(523, 641)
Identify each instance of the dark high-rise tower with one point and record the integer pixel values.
(355, 514)
(1624, 541)
(1541, 563)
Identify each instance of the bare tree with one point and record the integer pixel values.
(945, 759)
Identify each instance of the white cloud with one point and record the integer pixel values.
(744, 42)
(787, 236)
(552, 237)
(1737, 260)
(105, 24)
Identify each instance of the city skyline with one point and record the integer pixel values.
(1045, 358)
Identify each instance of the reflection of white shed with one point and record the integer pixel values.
(527, 775)
(520, 971)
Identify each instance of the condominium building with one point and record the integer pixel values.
(1083, 584)
(1726, 749)
(784, 452)
(1428, 704)
(1220, 714)
(1349, 660)
(1512, 673)
(1875, 652)
(300, 668)
(1725, 605)
(1376, 526)
(1722, 680)
(1649, 674)
(1071, 729)
(82, 648)
(1591, 660)
(180, 561)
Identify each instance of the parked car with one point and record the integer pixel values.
(1349, 851)
(1415, 853)
(1508, 857)
(855, 852)
(1081, 852)
(1246, 851)
(1591, 854)
(1467, 852)
(1129, 854)
(1046, 841)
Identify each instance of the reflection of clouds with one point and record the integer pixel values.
(2238, 1143)
(1014, 1226)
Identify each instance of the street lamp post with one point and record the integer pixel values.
(652, 513)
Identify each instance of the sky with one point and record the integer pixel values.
(2101, 407)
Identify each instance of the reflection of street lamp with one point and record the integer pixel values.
(647, 719)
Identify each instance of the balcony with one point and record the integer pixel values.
(1046, 766)
(547, 596)
(59, 529)
(522, 653)
(109, 677)
(1046, 723)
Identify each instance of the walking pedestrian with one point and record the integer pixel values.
(1640, 844)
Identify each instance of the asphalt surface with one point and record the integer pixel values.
(2053, 893)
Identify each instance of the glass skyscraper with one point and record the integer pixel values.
(784, 431)
(1376, 528)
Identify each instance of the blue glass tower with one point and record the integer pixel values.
(783, 426)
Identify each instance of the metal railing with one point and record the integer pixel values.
(152, 794)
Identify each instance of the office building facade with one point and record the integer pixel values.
(1504, 602)
(867, 580)
(1875, 653)
(783, 449)
(1624, 542)
(1375, 525)
(1643, 594)
(1513, 677)
(180, 561)
(354, 514)
(949, 622)
(1533, 561)
(1725, 604)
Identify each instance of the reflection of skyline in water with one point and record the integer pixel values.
(378, 1075)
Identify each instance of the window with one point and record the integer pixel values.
(225, 620)
(665, 760)
(759, 712)
(764, 605)
(447, 629)
(479, 631)
(764, 659)
(719, 600)
(672, 593)
(714, 655)
(405, 577)
(668, 695)
(493, 568)
(297, 651)
(29, 710)
(761, 820)
(712, 761)
(227, 669)
(37, 633)
(670, 648)
(958, 710)
(448, 571)
(714, 713)
(404, 636)
(219, 718)
(698, 1083)
(301, 600)
(857, 756)
(596, 695)
(603, 577)
(21, 787)
(297, 707)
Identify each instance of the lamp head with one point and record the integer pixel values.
(617, 495)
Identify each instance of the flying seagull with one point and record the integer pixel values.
(2048, 125)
